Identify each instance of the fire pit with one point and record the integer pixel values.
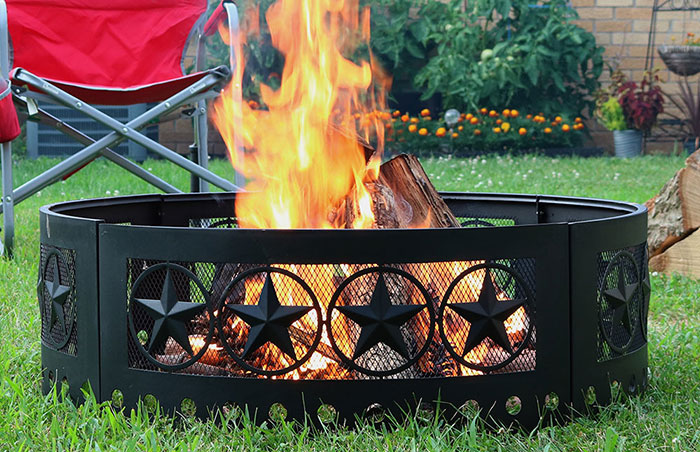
(536, 301)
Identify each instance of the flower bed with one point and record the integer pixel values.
(484, 130)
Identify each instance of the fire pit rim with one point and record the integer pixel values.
(616, 209)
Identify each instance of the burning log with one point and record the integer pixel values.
(418, 204)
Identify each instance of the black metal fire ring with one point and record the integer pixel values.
(222, 307)
(332, 306)
(68, 295)
(608, 335)
(207, 305)
(529, 309)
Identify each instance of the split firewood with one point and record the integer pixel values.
(682, 257)
(417, 201)
(675, 212)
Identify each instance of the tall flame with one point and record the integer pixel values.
(302, 158)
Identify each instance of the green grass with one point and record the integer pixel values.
(667, 417)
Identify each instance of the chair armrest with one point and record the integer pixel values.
(218, 16)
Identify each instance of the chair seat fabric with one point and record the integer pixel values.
(103, 43)
(9, 124)
(101, 95)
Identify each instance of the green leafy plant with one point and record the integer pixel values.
(640, 104)
(507, 52)
(611, 115)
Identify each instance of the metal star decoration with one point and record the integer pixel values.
(269, 321)
(486, 316)
(380, 321)
(619, 298)
(170, 316)
(58, 295)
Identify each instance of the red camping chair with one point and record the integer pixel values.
(108, 52)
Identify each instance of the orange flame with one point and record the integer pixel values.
(299, 164)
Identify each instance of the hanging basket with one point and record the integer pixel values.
(681, 60)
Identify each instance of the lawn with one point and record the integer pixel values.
(666, 417)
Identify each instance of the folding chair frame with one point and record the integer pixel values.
(196, 94)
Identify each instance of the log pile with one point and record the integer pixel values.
(674, 218)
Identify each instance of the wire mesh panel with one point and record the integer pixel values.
(332, 321)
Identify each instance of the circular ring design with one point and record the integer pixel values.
(528, 304)
(646, 294)
(227, 223)
(477, 223)
(41, 290)
(381, 270)
(607, 328)
(134, 335)
(222, 315)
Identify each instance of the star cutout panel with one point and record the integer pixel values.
(266, 319)
(269, 321)
(478, 316)
(621, 296)
(55, 288)
(369, 316)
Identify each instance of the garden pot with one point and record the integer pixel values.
(628, 143)
(681, 60)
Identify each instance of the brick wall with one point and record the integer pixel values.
(621, 26)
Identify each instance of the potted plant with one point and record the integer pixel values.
(630, 110)
(688, 102)
(682, 59)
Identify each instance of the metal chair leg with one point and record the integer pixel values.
(8, 214)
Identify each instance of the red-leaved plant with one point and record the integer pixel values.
(641, 103)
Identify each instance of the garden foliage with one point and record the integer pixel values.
(500, 53)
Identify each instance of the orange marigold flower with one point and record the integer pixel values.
(477, 132)
(423, 131)
(428, 118)
(493, 113)
(412, 128)
(441, 132)
(506, 112)
(547, 130)
(405, 118)
(522, 131)
(474, 121)
(414, 120)
(514, 113)
(496, 130)
(505, 126)
(455, 135)
(529, 116)
(565, 128)
(499, 121)
(396, 114)
(460, 128)
(578, 120)
(558, 119)
(425, 112)
(468, 116)
(483, 111)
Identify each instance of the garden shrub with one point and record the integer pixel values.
(501, 53)
(520, 53)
